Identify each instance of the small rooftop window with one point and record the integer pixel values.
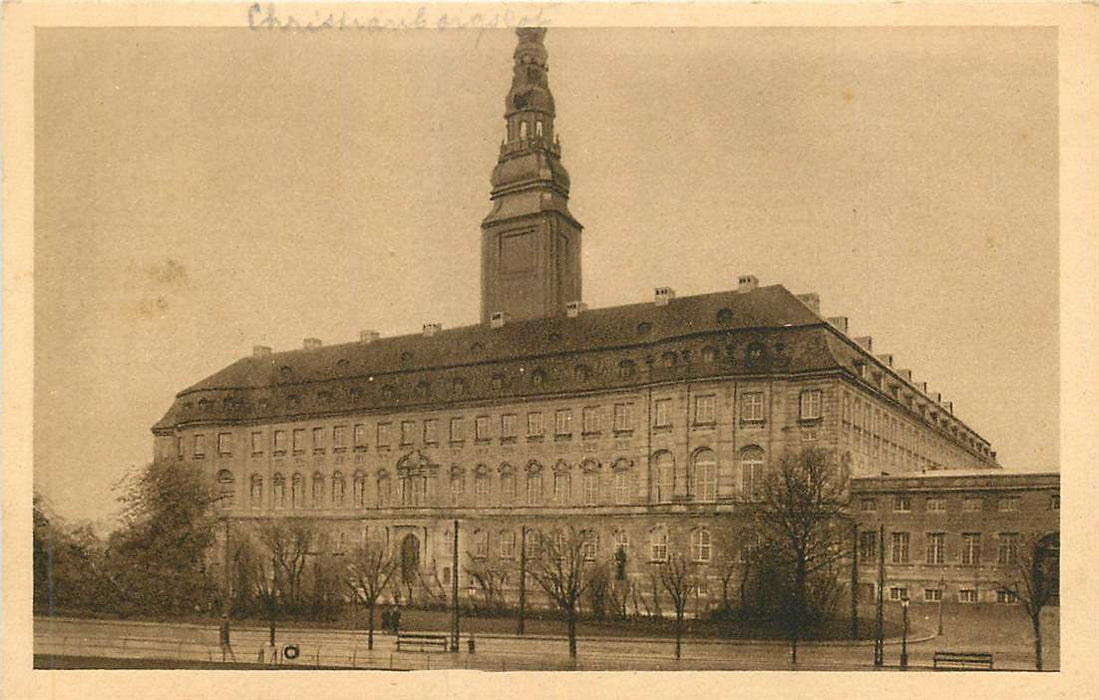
(724, 315)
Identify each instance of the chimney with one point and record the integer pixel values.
(369, 336)
(922, 386)
(497, 319)
(938, 397)
(949, 406)
(906, 374)
(840, 323)
(866, 342)
(746, 283)
(431, 329)
(812, 300)
(575, 308)
(663, 295)
(312, 343)
(260, 351)
(886, 359)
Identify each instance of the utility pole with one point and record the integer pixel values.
(522, 579)
(454, 592)
(879, 637)
(226, 649)
(942, 594)
(904, 634)
(854, 580)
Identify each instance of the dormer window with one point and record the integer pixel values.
(538, 129)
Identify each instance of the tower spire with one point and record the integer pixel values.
(530, 258)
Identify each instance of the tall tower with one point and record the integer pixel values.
(530, 243)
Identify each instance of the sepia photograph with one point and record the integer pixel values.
(442, 338)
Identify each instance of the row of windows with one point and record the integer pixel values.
(969, 552)
(531, 486)
(937, 504)
(965, 595)
(700, 548)
(319, 439)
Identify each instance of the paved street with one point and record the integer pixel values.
(336, 648)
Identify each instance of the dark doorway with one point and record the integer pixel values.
(410, 559)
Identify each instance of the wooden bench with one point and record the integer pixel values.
(422, 641)
(962, 660)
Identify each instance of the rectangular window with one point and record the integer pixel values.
(751, 407)
(622, 487)
(971, 505)
(1008, 504)
(482, 429)
(592, 417)
(257, 442)
(936, 548)
(591, 488)
(704, 410)
(225, 443)
(1005, 596)
(509, 423)
(967, 595)
(457, 430)
(898, 593)
(431, 432)
(560, 488)
(280, 442)
(382, 439)
(810, 404)
(179, 447)
(1055, 501)
(869, 505)
(900, 547)
(339, 438)
(1007, 549)
(659, 545)
(562, 422)
(936, 505)
(932, 595)
(318, 440)
(507, 544)
(971, 548)
(535, 428)
(662, 413)
(360, 436)
(299, 440)
(868, 546)
(902, 504)
(623, 419)
(408, 432)
(457, 488)
(199, 446)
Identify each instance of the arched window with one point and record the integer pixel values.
(480, 543)
(664, 476)
(701, 545)
(534, 484)
(562, 490)
(358, 486)
(522, 130)
(622, 541)
(589, 544)
(623, 481)
(297, 491)
(658, 539)
(507, 484)
(278, 491)
(255, 491)
(337, 490)
(318, 490)
(626, 368)
(751, 473)
(481, 486)
(705, 475)
(538, 128)
(457, 486)
(507, 544)
(226, 488)
(383, 489)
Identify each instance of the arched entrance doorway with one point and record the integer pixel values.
(410, 559)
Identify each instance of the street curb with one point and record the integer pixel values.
(892, 641)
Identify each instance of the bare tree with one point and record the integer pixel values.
(288, 546)
(563, 573)
(680, 582)
(368, 573)
(491, 577)
(802, 517)
(1032, 576)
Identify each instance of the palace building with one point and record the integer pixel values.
(650, 425)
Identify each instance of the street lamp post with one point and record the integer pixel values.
(942, 590)
(904, 634)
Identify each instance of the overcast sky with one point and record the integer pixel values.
(200, 191)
